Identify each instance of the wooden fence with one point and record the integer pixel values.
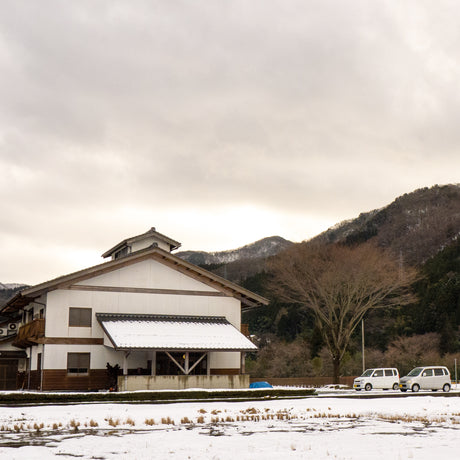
(304, 382)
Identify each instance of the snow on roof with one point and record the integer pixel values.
(158, 332)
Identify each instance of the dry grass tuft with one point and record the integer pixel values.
(130, 421)
(113, 422)
(167, 421)
(74, 424)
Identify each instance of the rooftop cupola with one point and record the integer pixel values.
(136, 243)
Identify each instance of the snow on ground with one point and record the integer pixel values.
(412, 427)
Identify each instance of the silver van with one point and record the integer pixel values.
(380, 378)
(426, 378)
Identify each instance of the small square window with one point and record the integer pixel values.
(78, 363)
(80, 317)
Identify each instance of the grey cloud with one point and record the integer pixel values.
(113, 114)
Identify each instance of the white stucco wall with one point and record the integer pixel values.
(59, 302)
(148, 274)
(145, 274)
(55, 357)
(145, 243)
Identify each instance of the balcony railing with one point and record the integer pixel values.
(30, 333)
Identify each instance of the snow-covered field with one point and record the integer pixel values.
(412, 427)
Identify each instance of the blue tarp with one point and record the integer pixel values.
(260, 385)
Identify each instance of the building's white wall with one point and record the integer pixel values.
(145, 243)
(148, 274)
(114, 302)
(33, 355)
(225, 360)
(36, 306)
(59, 302)
(145, 274)
(56, 356)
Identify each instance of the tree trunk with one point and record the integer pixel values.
(336, 370)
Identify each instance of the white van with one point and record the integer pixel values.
(426, 378)
(382, 378)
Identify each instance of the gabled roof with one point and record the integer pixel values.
(160, 332)
(247, 298)
(148, 234)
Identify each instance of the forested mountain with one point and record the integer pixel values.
(238, 264)
(416, 225)
(422, 228)
(8, 290)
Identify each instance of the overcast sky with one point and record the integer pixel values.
(218, 122)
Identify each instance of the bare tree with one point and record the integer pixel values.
(340, 284)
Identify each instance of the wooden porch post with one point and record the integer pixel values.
(125, 370)
(208, 364)
(153, 371)
(186, 365)
(243, 363)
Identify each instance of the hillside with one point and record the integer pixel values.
(8, 290)
(263, 248)
(416, 225)
(238, 264)
(423, 228)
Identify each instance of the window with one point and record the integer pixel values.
(80, 317)
(388, 373)
(428, 373)
(78, 363)
(438, 372)
(378, 373)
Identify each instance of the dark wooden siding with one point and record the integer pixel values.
(33, 382)
(303, 381)
(8, 371)
(225, 371)
(58, 379)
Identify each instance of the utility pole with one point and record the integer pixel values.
(456, 381)
(362, 343)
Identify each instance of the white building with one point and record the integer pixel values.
(164, 322)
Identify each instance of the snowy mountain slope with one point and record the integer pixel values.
(263, 248)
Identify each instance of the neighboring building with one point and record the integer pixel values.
(164, 322)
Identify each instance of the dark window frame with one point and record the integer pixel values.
(80, 317)
(78, 363)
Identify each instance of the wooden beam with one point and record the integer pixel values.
(175, 362)
(81, 287)
(69, 341)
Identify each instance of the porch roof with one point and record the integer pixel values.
(160, 332)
